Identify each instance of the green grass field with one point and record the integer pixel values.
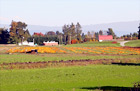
(72, 78)
(6, 58)
(69, 78)
(134, 43)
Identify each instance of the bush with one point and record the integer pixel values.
(74, 41)
(134, 38)
(114, 42)
(129, 38)
(86, 39)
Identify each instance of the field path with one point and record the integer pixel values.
(123, 42)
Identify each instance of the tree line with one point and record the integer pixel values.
(70, 34)
(18, 33)
(131, 36)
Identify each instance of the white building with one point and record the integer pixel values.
(27, 43)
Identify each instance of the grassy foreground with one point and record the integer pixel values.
(79, 78)
(73, 78)
(6, 58)
(133, 43)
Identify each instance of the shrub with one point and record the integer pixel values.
(114, 42)
(86, 39)
(74, 41)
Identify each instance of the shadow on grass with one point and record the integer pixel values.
(112, 88)
(133, 64)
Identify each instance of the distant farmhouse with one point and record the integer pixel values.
(105, 37)
(51, 43)
(26, 43)
(38, 34)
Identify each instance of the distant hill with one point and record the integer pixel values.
(120, 28)
(37, 28)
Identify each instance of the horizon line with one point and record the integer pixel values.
(72, 22)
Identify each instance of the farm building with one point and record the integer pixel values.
(38, 34)
(51, 43)
(105, 37)
(27, 43)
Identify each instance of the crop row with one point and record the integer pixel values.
(88, 50)
(104, 50)
(39, 50)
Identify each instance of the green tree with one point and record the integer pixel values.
(18, 32)
(4, 35)
(111, 32)
(100, 32)
(97, 35)
(57, 32)
(78, 29)
(50, 33)
(79, 38)
(65, 32)
(135, 34)
(60, 36)
(83, 36)
(71, 32)
(89, 35)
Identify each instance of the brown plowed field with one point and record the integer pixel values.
(61, 63)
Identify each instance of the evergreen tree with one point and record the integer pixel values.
(100, 32)
(65, 29)
(111, 32)
(97, 35)
(78, 30)
(83, 36)
(135, 34)
(72, 31)
(79, 38)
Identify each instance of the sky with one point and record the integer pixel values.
(60, 12)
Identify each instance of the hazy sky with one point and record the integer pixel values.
(60, 12)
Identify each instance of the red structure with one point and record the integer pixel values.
(105, 37)
(38, 34)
